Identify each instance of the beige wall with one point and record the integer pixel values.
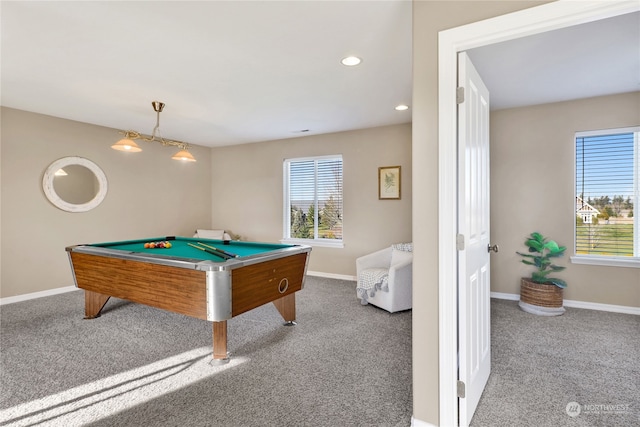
(430, 17)
(149, 195)
(532, 189)
(248, 185)
(152, 195)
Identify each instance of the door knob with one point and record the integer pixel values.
(493, 248)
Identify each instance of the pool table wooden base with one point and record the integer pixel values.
(202, 288)
(94, 302)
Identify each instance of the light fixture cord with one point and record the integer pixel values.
(157, 128)
(156, 135)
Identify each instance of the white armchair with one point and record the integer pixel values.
(385, 278)
(212, 234)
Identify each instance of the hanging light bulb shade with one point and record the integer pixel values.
(126, 144)
(183, 155)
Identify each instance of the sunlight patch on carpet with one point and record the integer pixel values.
(104, 397)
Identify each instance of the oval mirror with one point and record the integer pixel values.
(74, 184)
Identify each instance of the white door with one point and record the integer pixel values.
(474, 311)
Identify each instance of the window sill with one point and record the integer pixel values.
(607, 261)
(310, 242)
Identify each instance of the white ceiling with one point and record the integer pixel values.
(233, 72)
(594, 59)
(229, 72)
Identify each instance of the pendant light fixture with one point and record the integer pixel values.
(183, 155)
(128, 142)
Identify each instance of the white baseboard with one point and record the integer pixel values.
(500, 295)
(602, 307)
(579, 304)
(34, 295)
(332, 275)
(417, 423)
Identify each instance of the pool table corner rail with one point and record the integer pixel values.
(218, 295)
(69, 249)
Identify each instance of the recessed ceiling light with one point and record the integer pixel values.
(402, 107)
(350, 61)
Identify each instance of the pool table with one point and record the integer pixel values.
(191, 281)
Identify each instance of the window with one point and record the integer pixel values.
(313, 200)
(607, 194)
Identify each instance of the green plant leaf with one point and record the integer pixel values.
(541, 252)
(534, 245)
(558, 282)
(537, 236)
(526, 255)
(555, 254)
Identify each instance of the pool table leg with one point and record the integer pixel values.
(287, 308)
(94, 303)
(220, 342)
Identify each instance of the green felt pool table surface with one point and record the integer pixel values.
(180, 247)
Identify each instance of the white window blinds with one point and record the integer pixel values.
(607, 193)
(313, 198)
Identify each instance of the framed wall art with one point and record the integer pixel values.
(389, 183)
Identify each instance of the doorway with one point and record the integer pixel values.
(512, 26)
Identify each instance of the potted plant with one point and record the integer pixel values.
(541, 294)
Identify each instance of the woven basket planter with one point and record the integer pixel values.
(541, 299)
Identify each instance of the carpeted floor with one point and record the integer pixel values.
(540, 365)
(343, 364)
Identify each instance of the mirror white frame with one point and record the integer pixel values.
(57, 201)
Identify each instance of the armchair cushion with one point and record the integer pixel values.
(400, 257)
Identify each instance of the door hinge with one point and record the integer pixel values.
(461, 389)
(460, 95)
(460, 242)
